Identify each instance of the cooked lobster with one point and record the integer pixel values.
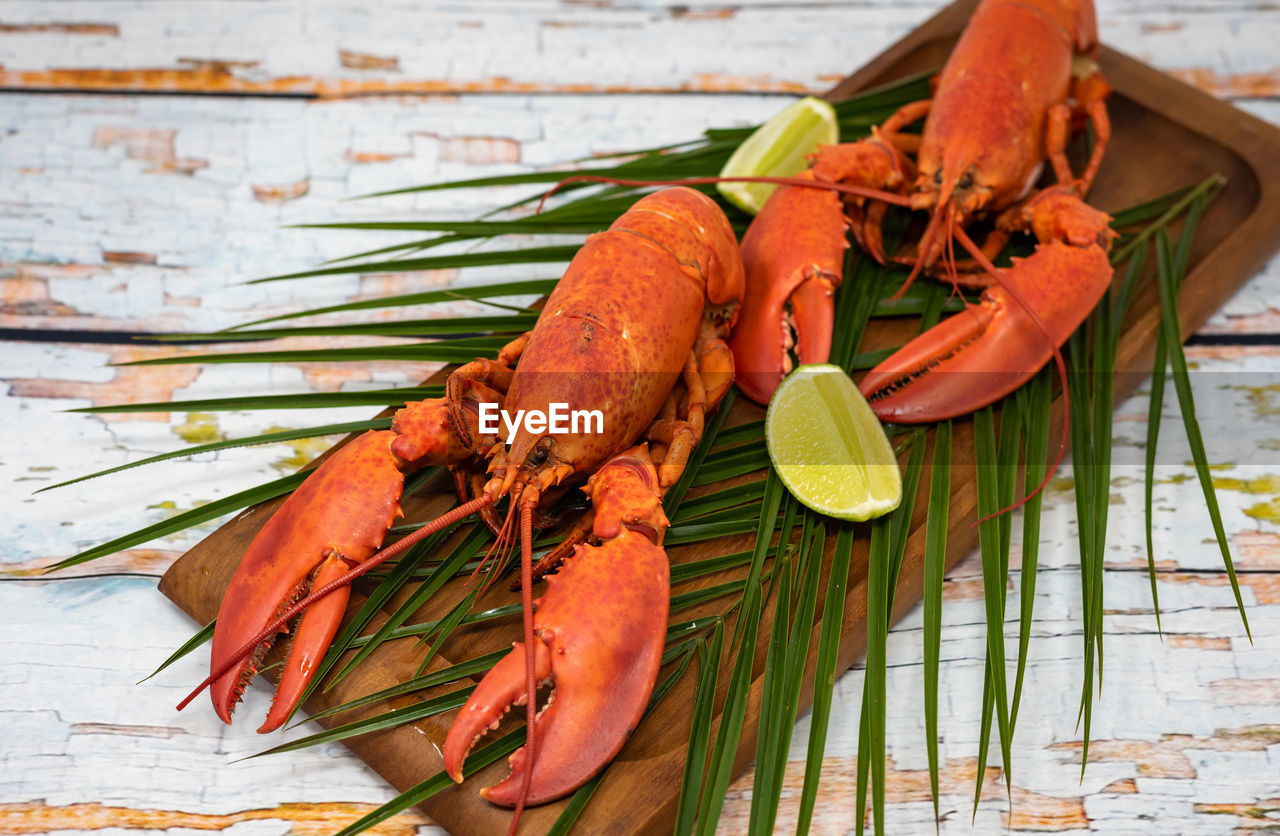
(636, 328)
(1021, 76)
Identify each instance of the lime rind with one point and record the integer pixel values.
(828, 447)
(778, 148)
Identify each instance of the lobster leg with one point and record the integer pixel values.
(1090, 91)
(990, 349)
(599, 632)
(707, 376)
(867, 225)
(903, 116)
(681, 435)
(967, 273)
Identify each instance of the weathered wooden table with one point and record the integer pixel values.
(150, 155)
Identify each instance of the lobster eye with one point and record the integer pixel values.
(966, 180)
(536, 456)
(937, 177)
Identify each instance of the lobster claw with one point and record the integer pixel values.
(988, 350)
(600, 632)
(335, 519)
(793, 253)
(794, 256)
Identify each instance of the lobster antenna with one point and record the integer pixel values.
(842, 188)
(985, 263)
(951, 250)
(530, 677)
(443, 521)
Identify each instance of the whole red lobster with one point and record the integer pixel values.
(1021, 74)
(636, 328)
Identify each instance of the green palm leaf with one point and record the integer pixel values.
(265, 438)
(510, 324)
(935, 556)
(884, 560)
(732, 714)
(304, 400)
(201, 636)
(825, 672)
(709, 654)
(1170, 327)
(530, 287)
(451, 351)
(187, 519)
(476, 761)
(778, 719)
(528, 255)
(1036, 413)
(990, 470)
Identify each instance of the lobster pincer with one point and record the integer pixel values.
(285, 560)
(600, 630)
(336, 519)
(991, 348)
(794, 257)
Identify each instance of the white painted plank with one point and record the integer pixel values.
(340, 48)
(144, 213)
(98, 193)
(150, 213)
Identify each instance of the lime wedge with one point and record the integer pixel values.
(828, 447)
(778, 149)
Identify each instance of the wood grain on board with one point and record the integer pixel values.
(1177, 134)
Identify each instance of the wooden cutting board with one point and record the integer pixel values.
(1165, 135)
